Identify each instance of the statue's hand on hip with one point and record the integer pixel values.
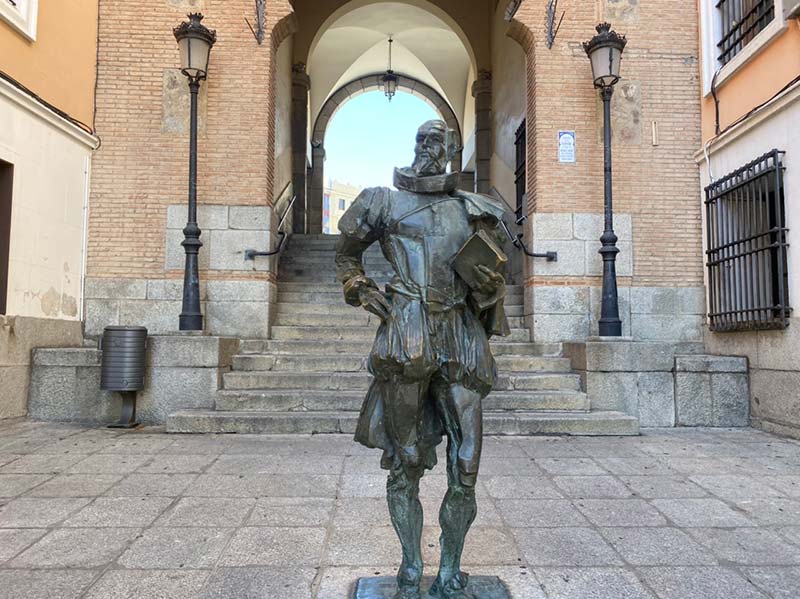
(375, 301)
(491, 286)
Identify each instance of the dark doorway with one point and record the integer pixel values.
(6, 186)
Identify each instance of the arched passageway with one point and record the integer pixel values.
(315, 184)
(443, 52)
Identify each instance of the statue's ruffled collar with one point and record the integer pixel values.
(407, 179)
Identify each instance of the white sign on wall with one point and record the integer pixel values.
(566, 146)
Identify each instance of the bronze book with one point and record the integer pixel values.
(478, 249)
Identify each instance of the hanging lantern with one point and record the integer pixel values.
(389, 79)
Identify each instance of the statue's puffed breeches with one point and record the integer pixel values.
(418, 341)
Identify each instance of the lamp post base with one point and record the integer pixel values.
(190, 322)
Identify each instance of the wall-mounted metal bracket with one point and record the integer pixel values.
(251, 254)
(520, 245)
(261, 15)
(552, 28)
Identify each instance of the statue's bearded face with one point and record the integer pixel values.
(430, 152)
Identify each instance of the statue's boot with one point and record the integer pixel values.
(405, 509)
(454, 588)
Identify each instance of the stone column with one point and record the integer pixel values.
(301, 84)
(315, 187)
(482, 92)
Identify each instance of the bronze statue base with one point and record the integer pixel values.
(385, 587)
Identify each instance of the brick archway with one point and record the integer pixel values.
(337, 100)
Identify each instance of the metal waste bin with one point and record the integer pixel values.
(123, 367)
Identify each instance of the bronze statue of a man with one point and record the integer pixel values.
(431, 360)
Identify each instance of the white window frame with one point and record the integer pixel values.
(710, 30)
(23, 21)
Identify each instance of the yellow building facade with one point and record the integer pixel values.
(47, 77)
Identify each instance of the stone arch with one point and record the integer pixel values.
(522, 34)
(479, 58)
(337, 100)
(283, 29)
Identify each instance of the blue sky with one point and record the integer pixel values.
(369, 136)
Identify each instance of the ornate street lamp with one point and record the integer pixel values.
(605, 52)
(194, 42)
(389, 79)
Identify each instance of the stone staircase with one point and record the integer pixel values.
(311, 376)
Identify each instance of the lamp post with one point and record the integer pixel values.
(605, 52)
(194, 42)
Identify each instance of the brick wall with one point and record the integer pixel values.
(142, 166)
(656, 184)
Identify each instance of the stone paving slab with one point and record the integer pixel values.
(673, 514)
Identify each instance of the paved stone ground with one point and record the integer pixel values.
(686, 514)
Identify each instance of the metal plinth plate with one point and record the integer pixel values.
(384, 587)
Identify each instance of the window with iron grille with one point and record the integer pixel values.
(520, 173)
(748, 278)
(741, 21)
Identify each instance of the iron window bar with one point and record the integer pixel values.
(742, 20)
(748, 287)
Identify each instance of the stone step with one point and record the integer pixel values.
(335, 298)
(336, 287)
(354, 318)
(359, 381)
(514, 423)
(358, 362)
(327, 259)
(340, 308)
(270, 400)
(277, 346)
(320, 276)
(332, 333)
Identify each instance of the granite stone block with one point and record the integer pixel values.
(623, 264)
(209, 216)
(256, 218)
(149, 584)
(43, 584)
(654, 300)
(228, 247)
(589, 226)
(238, 291)
(170, 389)
(571, 258)
(613, 391)
(662, 327)
(175, 254)
(190, 351)
(656, 399)
(238, 319)
(99, 315)
(160, 318)
(76, 548)
(115, 288)
(560, 300)
(560, 327)
(552, 226)
(164, 547)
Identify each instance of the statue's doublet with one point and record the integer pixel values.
(433, 328)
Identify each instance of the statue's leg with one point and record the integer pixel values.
(405, 509)
(403, 412)
(461, 411)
